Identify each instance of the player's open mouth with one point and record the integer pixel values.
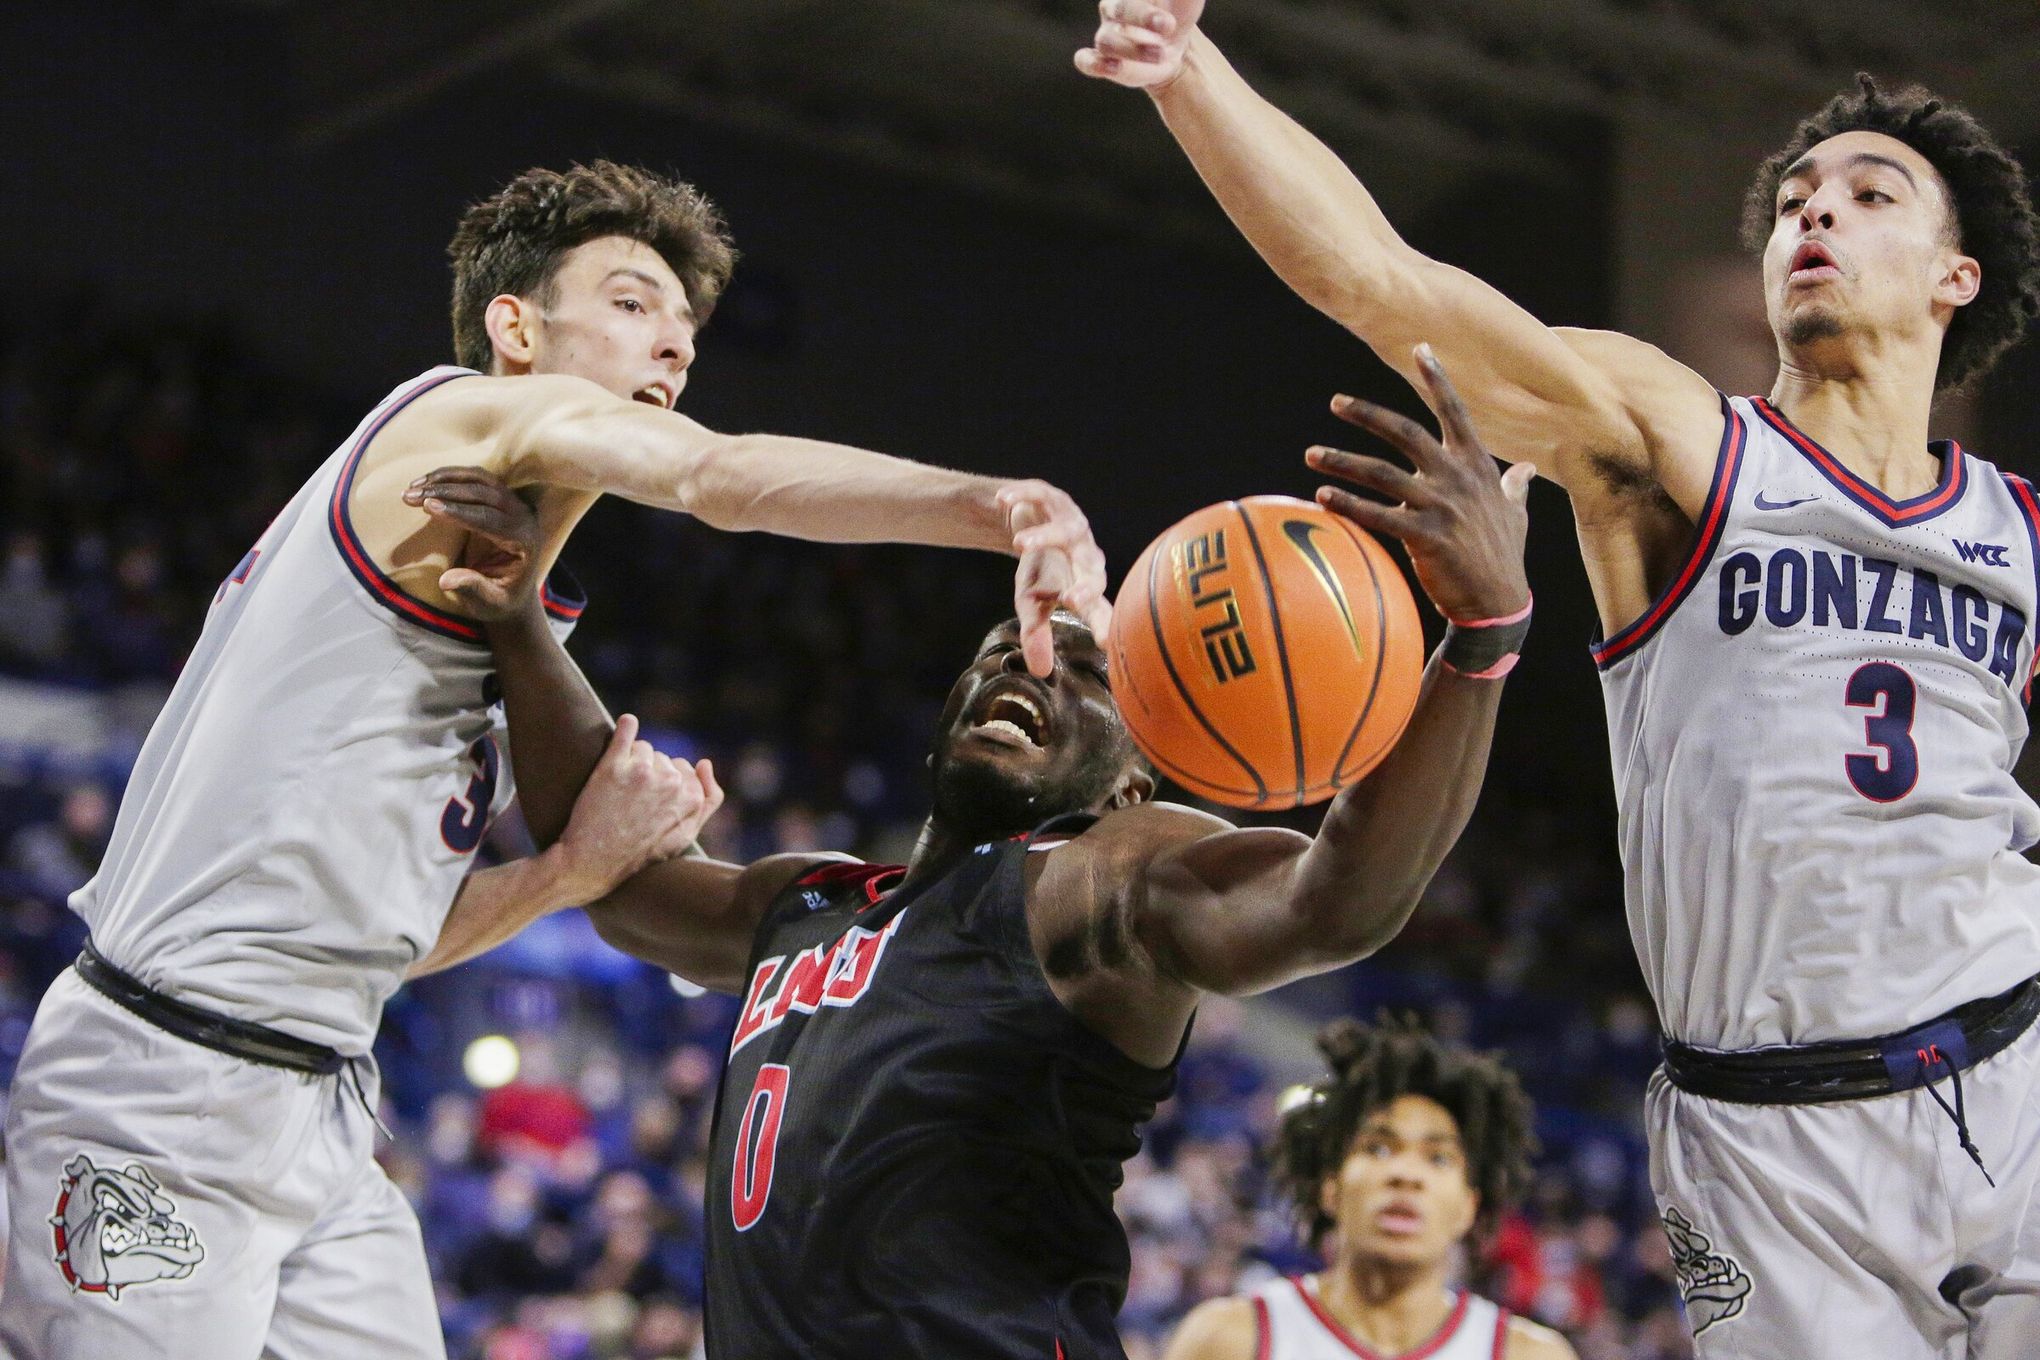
(1813, 261)
(1400, 1220)
(1011, 715)
(656, 394)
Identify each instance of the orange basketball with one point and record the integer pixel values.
(1265, 652)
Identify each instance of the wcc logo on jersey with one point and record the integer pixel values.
(113, 1229)
(837, 973)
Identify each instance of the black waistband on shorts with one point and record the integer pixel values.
(242, 1038)
(1855, 1069)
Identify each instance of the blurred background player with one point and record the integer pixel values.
(1397, 1164)
(938, 1069)
(1817, 651)
(190, 1125)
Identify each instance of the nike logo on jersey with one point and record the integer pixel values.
(837, 973)
(1990, 554)
(1763, 504)
(1794, 587)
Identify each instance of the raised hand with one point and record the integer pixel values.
(1463, 524)
(1140, 43)
(494, 577)
(638, 808)
(1060, 567)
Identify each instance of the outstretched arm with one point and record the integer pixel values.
(577, 440)
(1241, 910)
(1571, 402)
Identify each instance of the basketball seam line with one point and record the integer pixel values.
(1281, 644)
(1380, 652)
(1169, 664)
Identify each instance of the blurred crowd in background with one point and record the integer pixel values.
(562, 1207)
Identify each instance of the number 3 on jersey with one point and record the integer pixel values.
(467, 813)
(1891, 774)
(758, 1146)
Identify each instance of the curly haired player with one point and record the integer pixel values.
(1407, 1150)
(1818, 645)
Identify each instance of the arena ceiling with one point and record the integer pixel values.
(1428, 94)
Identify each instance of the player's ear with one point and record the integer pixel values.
(1135, 786)
(1961, 279)
(512, 324)
(1328, 1196)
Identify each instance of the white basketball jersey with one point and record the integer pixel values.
(309, 798)
(1293, 1324)
(1813, 731)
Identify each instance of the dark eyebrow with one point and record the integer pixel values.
(639, 275)
(1806, 162)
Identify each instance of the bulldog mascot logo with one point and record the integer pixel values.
(1712, 1284)
(113, 1229)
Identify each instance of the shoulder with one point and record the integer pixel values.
(480, 409)
(767, 878)
(1529, 1340)
(1218, 1329)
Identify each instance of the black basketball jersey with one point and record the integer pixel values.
(916, 1145)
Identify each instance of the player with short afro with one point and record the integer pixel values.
(1408, 1149)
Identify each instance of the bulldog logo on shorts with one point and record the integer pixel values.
(113, 1229)
(1712, 1284)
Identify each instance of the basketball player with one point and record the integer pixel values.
(1403, 1155)
(189, 1130)
(939, 1068)
(1817, 648)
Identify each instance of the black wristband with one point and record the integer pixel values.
(1487, 649)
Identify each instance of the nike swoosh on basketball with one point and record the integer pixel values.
(1763, 504)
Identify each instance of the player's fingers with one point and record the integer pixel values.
(624, 738)
(1376, 474)
(712, 792)
(1516, 482)
(1137, 12)
(1417, 443)
(492, 523)
(460, 472)
(1445, 400)
(1098, 618)
(1127, 44)
(1372, 516)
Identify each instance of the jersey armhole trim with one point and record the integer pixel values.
(380, 587)
(2029, 512)
(1706, 537)
(1264, 1333)
(1501, 1332)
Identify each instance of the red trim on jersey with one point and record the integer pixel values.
(876, 878)
(1437, 1342)
(1264, 1330)
(559, 606)
(1501, 1331)
(1954, 474)
(2029, 510)
(1713, 516)
(388, 593)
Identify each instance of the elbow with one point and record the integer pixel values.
(712, 489)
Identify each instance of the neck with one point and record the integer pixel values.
(937, 851)
(1390, 1306)
(1871, 412)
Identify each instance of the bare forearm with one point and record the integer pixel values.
(558, 727)
(495, 904)
(1383, 839)
(1296, 202)
(802, 488)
